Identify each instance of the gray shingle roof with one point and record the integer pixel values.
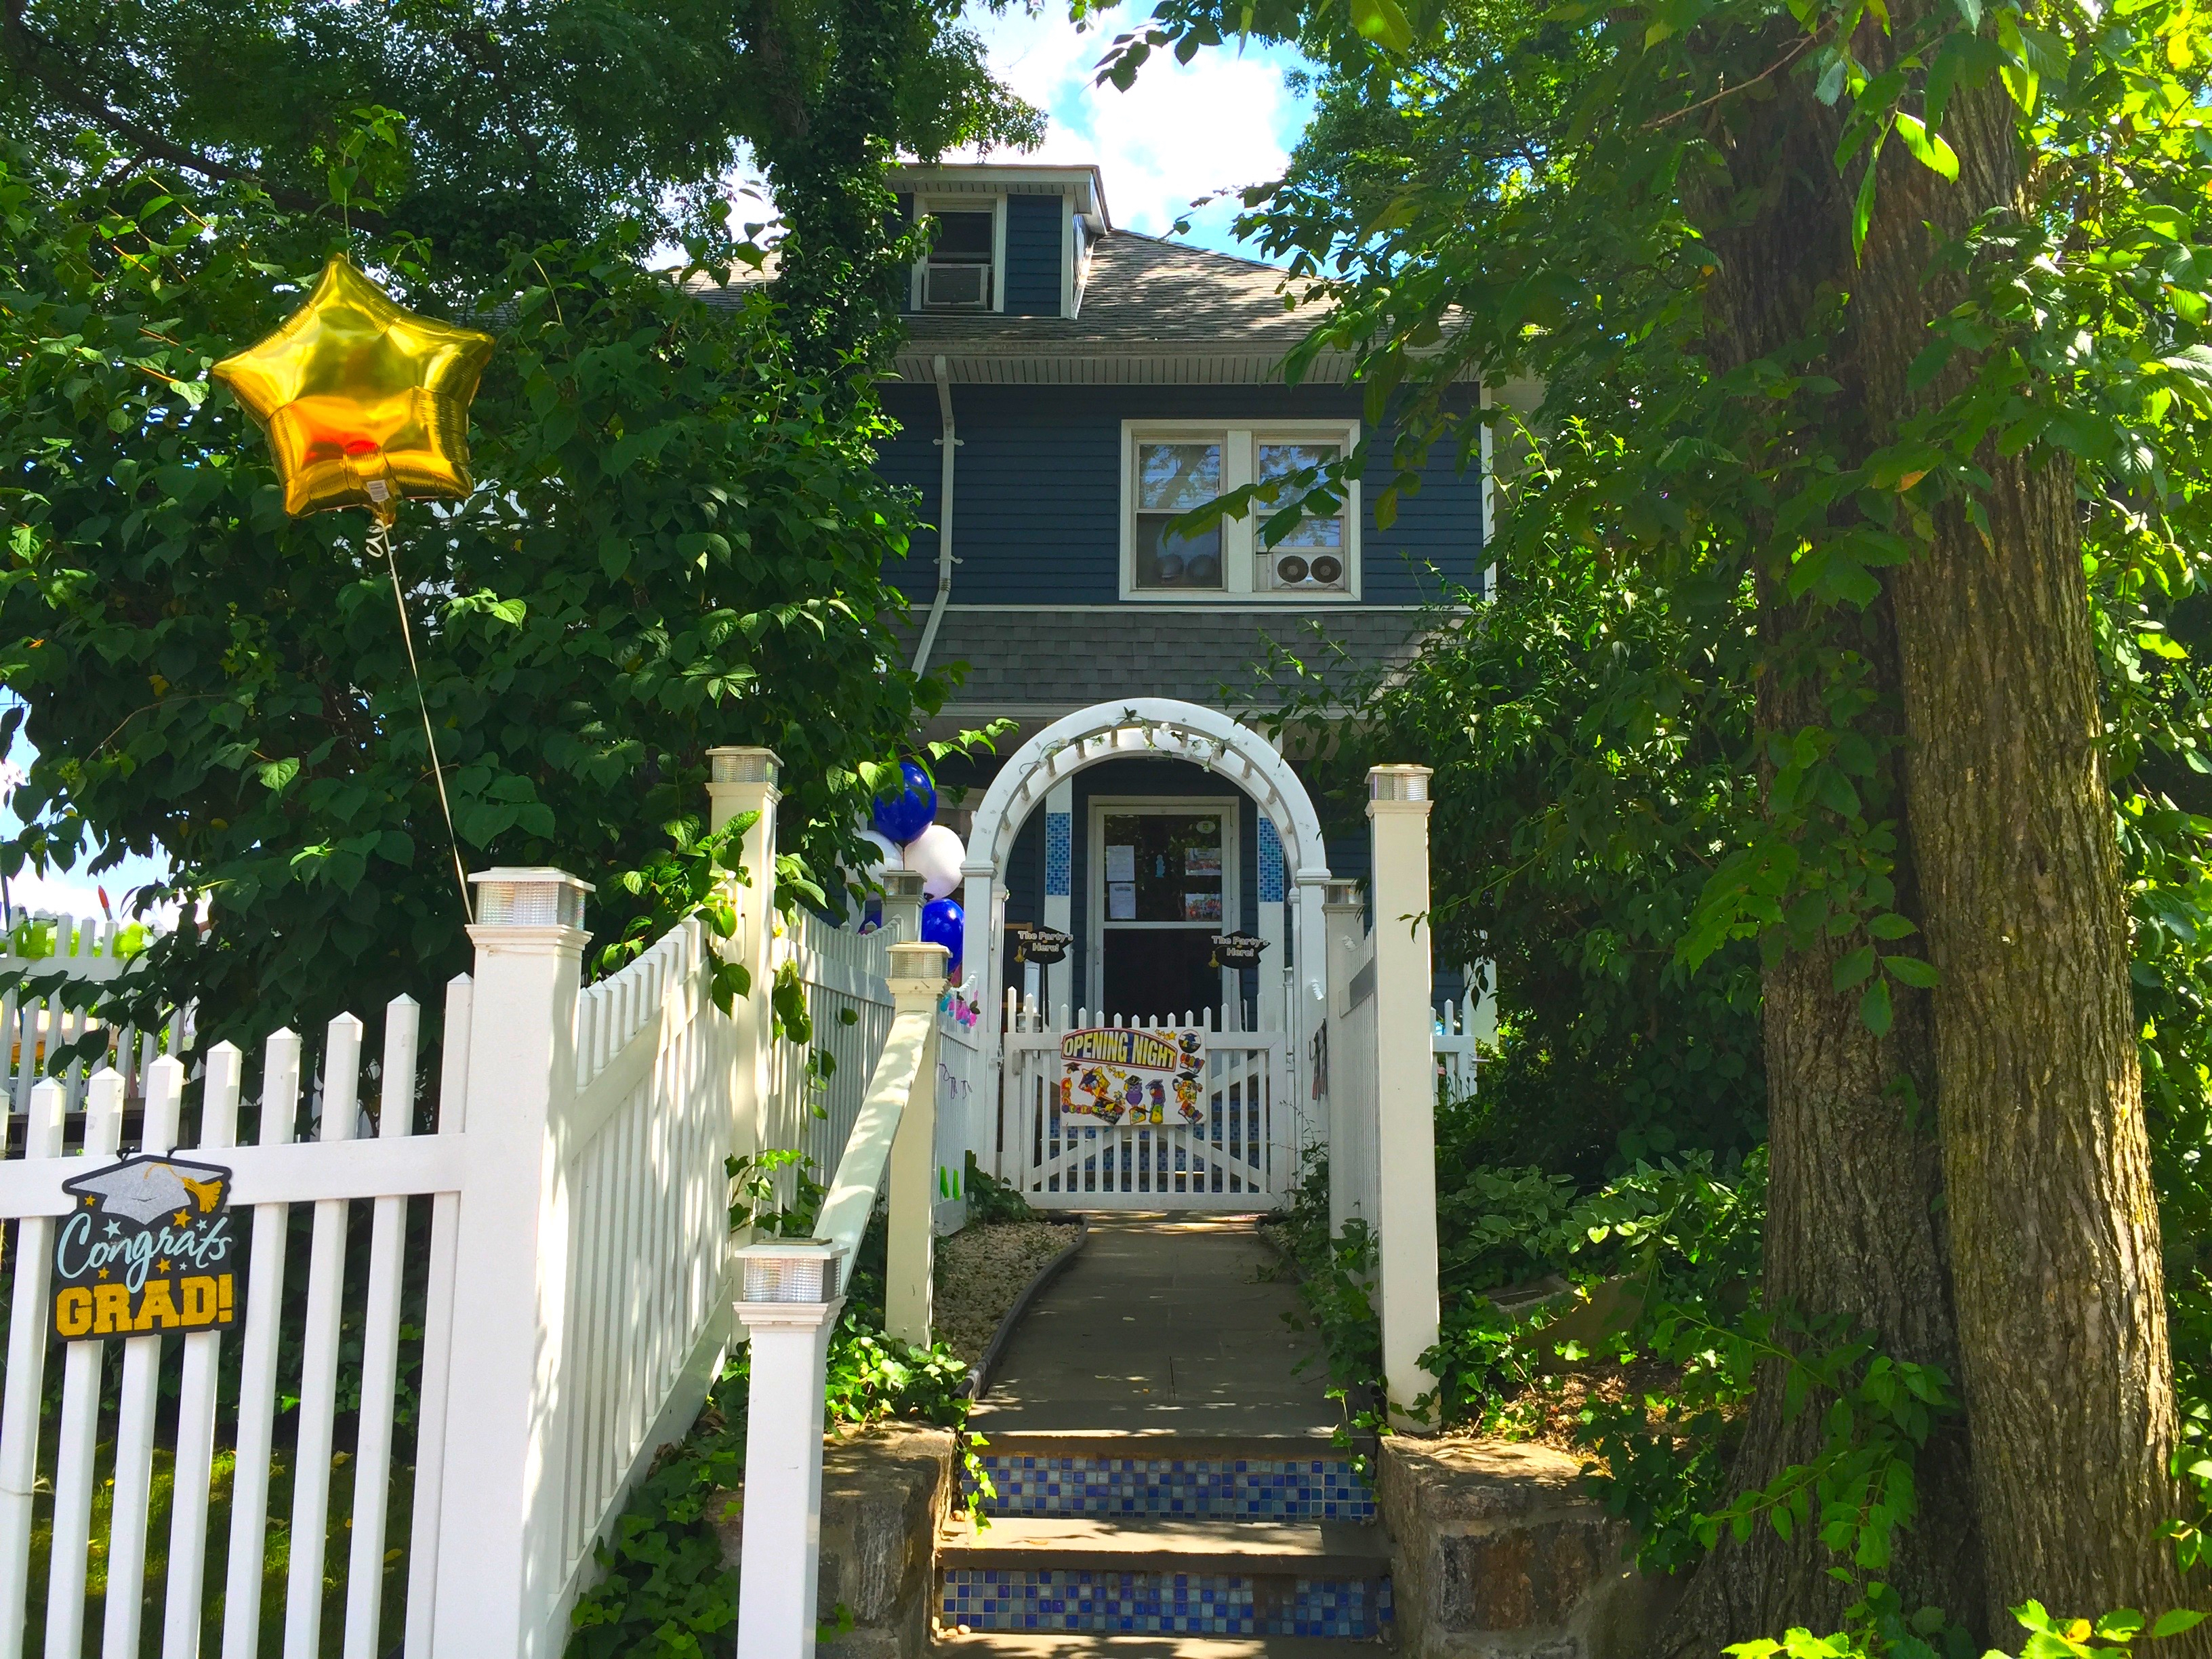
(1037, 661)
(1153, 312)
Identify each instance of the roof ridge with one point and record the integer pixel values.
(1203, 252)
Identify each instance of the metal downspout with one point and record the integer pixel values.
(948, 443)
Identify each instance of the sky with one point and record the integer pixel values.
(1225, 120)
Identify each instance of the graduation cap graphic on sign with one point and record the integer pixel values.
(146, 1187)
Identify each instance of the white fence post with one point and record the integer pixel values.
(903, 902)
(1405, 1078)
(742, 780)
(789, 1298)
(499, 1587)
(1340, 913)
(917, 981)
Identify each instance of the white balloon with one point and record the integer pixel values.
(938, 853)
(887, 856)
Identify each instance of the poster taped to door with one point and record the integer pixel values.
(1122, 1075)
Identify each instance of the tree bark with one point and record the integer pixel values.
(1855, 1224)
(1854, 1227)
(2056, 1269)
(2060, 1343)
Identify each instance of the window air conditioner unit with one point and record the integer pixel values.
(1321, 572)
(956, 288)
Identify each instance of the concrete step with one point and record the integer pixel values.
(1170, 1544)
(1091, 1644)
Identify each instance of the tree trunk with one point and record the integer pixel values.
(1855, 1222)
(1854, 1227)
(2061, 1349)
(2056, 1270)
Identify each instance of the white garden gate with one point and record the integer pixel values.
(1240, 1154)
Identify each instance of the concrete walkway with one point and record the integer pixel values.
(1163, 1325)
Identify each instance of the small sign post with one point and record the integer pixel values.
(146, 1249)
(1046, 946)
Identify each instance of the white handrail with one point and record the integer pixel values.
(859, 1175)
(789, 1317)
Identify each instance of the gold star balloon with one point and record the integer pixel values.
(364, 402)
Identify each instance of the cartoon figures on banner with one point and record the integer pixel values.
(1125, 1075)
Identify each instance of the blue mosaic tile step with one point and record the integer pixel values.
(1254, 1488)
(1188, 1604)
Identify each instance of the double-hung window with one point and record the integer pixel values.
(1172, 467)
(964, 269)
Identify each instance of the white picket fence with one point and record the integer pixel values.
(1239, 1155)
(36, 1025)
(577, 1307)
(962, 1121)
(848, 1002)
(1457, 1059)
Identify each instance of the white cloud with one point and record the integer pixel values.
(1220, 122)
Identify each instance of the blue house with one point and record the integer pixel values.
(1067, 390)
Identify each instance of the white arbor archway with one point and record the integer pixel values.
(1162, 728)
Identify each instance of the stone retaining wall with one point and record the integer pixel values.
(885, 1492)
(1500, 1554)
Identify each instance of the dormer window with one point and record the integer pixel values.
(956, 276)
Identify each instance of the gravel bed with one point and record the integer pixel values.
(981, 1269)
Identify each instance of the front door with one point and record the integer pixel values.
(1162, 885)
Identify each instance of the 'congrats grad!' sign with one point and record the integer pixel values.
(147, 1249)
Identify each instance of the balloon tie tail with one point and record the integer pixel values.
(379, 539)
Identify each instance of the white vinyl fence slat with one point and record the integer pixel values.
(318, 1364)
(379, 1364)
(134, 1428)
(257, 1384)
(195, 1465)
(26, 1369)
(73, 1462)
(437, 1334)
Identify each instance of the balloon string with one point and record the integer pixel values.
(380, 539)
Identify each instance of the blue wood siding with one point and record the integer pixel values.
(909, 460)
(1038, 501)
(1037, 231)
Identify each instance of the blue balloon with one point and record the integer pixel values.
(944, 922)
(899, 819)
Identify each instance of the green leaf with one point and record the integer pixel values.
(1852, 970)
(1863, 204)
(1874, 1007)
(2191, 368)
(1928, 147)
(278, 774)
(2175, 1621)
(1910, 970)
(1891, 925)
(1381, 22)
